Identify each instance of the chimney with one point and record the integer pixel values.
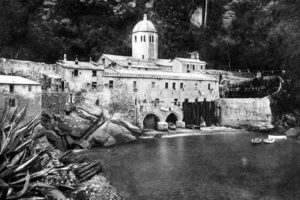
(76, 60)
(65, 57)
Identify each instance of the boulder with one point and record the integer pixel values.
(180, 124)
(110, 134)
(162, 126)
(293, 132)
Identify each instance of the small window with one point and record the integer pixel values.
(94, 85)
(181, 85)
(186, 100)
(111, 84)
(12, 102)
(193, 67)
(135, 38)
(196, 100)
(11, 88)
(175, 102)
(153, 84)
(150, 38)
(94, 73)
(196, 86)
(144, 38)
(166, 85)
(134, 84)
(209, 86)
(187, 66)
(29, 88)
(174, 86)
(103, 61)
(76, 72)
(143, 57)
(141, 38)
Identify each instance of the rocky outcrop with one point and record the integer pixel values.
(85, 127)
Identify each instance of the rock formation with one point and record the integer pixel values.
(86, 126)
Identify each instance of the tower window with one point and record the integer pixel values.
(150, 38)
(209, 86)
(174, 86)
(144, 38)
(193, 67)
(166, 85)
(141, 38)
(181, 85)
(135, 38)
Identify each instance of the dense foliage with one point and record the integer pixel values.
(261, 35)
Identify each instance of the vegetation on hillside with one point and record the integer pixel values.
(260, 35)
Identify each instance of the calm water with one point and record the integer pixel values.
(204, 167)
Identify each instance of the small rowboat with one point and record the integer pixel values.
(277, 137)
(257, 140)
(269, 140)
(172, 126)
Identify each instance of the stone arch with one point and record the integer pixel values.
(172, 117)
(150, 121)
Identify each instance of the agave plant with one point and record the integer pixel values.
(20, 166)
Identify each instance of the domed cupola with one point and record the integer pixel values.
(144, 40)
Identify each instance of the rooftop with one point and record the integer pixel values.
(17, 80)
(159, 74)
(137, 63)
(144, 26)
(190, 60)
(81, 65)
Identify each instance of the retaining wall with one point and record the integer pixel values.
(252, 113)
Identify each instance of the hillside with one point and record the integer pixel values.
(240, 34)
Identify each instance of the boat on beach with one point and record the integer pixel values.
(269, 140)
(257, 140)
(277, 137)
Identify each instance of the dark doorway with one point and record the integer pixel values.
(172, 118)
(150, 121)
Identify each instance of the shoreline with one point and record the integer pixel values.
(189, 132)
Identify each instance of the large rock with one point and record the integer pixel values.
(293, 132)
(110, 134)
(180, 124)
(162, 126)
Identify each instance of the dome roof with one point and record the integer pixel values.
(144, 26)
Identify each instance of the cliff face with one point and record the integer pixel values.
(239, 34)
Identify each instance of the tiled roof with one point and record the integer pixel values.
(135, 63)
(17, 80)
(81, 65)
(159, 74)
(189, 60)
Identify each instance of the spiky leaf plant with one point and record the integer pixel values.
(19, 164)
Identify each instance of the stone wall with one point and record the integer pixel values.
(55, 102)
(252, 113)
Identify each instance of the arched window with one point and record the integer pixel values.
(150, 40)
(141, 38)
(144, 38)
(135, 38)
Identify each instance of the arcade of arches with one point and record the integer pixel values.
(151, 120)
